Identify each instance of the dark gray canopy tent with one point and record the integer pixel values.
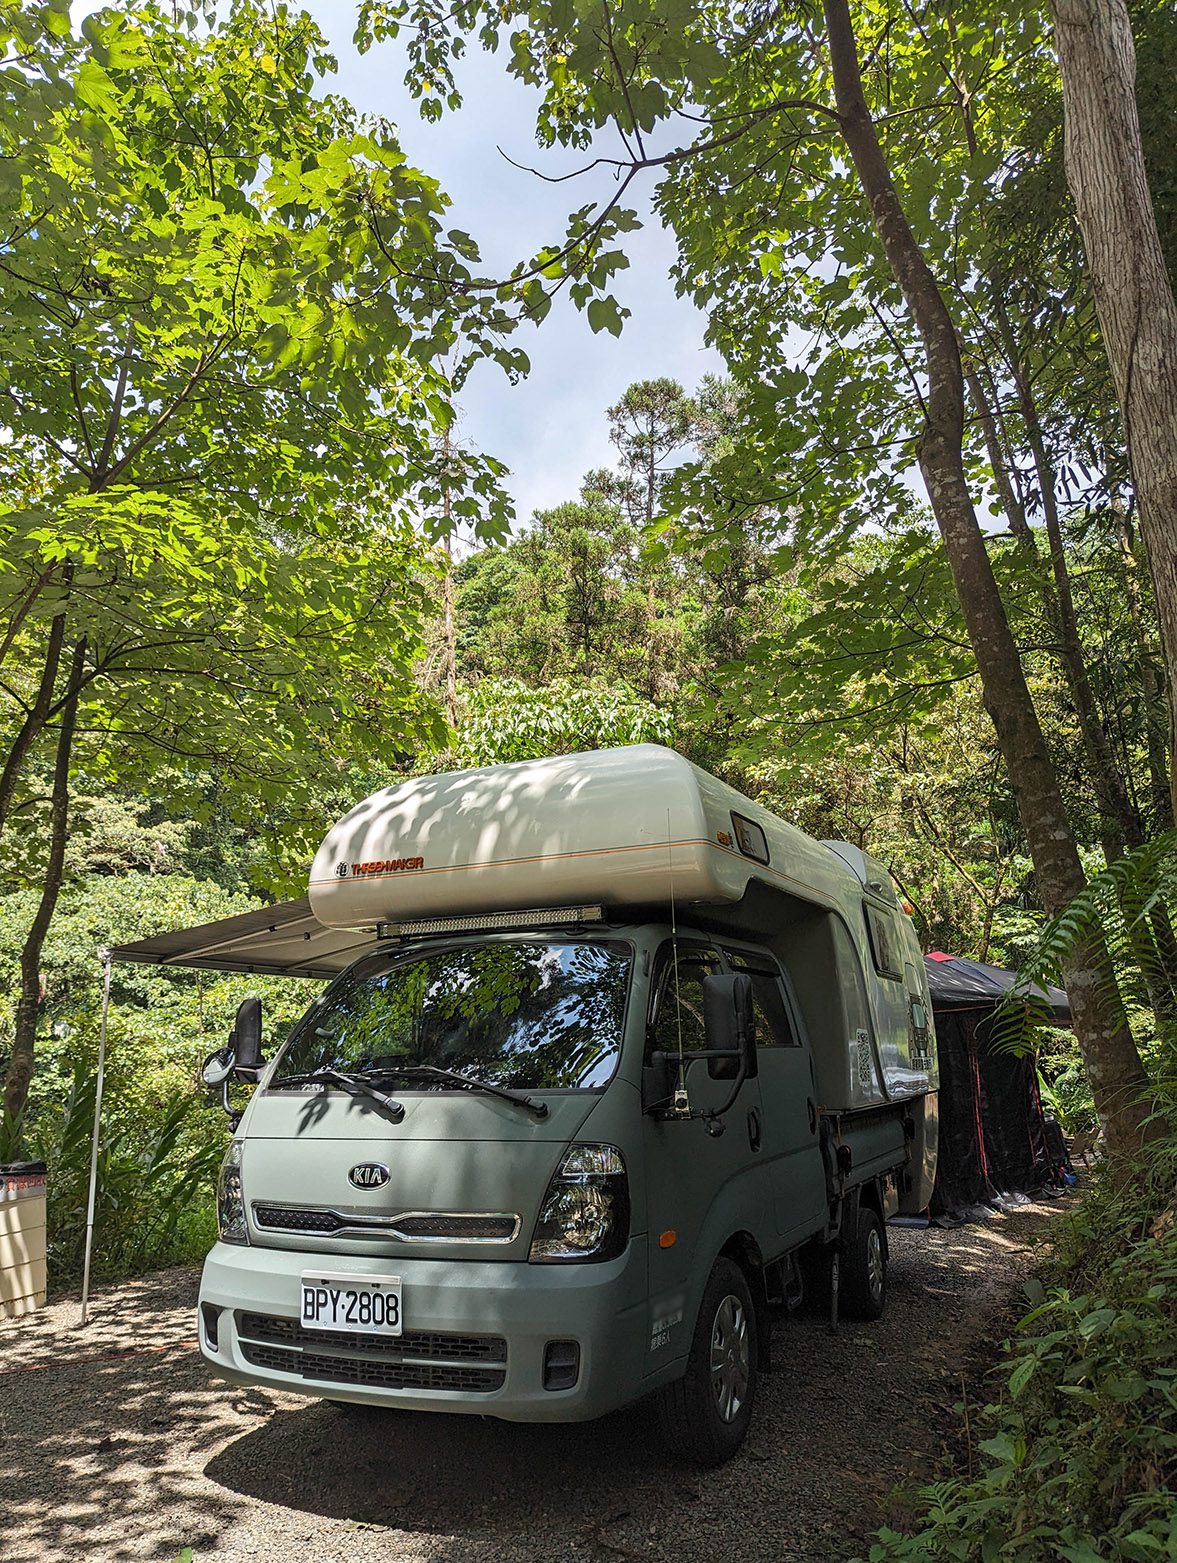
(994, 1138)
(958, 983)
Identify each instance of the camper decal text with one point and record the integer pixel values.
(388, 865)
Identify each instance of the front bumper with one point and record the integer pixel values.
(504, 1315)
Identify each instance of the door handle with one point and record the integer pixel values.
(754, 1128)
(812, 1116)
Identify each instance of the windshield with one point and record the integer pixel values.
(514, 1014)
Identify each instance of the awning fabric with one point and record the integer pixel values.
(284, 940)
(958, 983)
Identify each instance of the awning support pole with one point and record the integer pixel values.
(105, 957)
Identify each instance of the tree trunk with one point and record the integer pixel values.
(1015, 511)
(1119, 1084)
(449, 628)
(1119, 820)
(20, 1068)
(35, 718)
(451, 645)
(1148, 676)
(1133, 296)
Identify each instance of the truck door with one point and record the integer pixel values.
(688, 1170)
(788, 1097)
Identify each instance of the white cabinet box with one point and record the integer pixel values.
(22, 1238)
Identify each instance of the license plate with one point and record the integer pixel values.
(369, 1304)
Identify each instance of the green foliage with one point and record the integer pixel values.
(505, 720)
(1130, 906)
(162, 1140)
(576, 595)
(155, 1174)
(1078, 1456)
(211, 271)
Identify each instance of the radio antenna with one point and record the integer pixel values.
(681, 1105)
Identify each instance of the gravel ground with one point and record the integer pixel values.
(112, 1450)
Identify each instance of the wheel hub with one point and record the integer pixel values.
(874, 1264)
(731, 1358)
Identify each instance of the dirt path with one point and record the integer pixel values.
(116, 1444)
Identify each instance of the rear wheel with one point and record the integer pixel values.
(862, 1287)
(705, 1414)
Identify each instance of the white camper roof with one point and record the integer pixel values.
(634, 826)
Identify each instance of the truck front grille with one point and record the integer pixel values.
(408, 1227)
(473, 1364)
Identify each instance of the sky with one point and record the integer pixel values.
(551, 427)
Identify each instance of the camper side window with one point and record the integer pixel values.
(883, 942)
(680, 1003)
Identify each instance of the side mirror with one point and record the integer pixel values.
(218, 1066)
(246, 1038)
(729, 1024)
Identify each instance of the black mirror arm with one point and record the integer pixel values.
(712, 1115)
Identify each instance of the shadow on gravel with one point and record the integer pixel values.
(433, 1474)
(117, 1444)
(839, 1422)
(94, 1424)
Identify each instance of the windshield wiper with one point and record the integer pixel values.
(434, 1072)
(353, 1083)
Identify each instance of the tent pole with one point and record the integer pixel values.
(105, 956)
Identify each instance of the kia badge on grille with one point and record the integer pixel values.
(368, 1175)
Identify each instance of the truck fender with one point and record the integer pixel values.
(724, 1235)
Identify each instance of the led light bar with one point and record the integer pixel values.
(481, 922)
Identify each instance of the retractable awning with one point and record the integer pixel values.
(283, 940)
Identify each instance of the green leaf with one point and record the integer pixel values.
(1022, 1375)
(95, 90)
(603, 315)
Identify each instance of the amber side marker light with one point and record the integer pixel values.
(668, 1239)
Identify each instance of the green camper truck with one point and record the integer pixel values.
(611, 1060)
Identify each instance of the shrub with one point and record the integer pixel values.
(154, 1201)
(1080, 1452)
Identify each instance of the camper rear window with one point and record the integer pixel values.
(518, 1014)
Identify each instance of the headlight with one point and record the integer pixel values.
(585, 1212)
(231, 1198)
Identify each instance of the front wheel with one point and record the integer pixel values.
(705, 1414)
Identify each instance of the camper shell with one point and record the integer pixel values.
(740, 1090)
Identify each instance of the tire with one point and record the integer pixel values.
(863, 1277)
(705, 1414)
